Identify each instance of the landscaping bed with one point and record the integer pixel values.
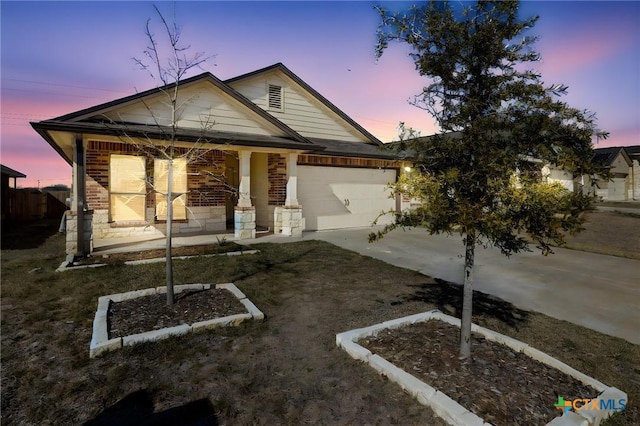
(500, 385)
(150, 313)
(285, 370)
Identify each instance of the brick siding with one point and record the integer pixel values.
(323, 160)
(206, 174)
(277, 175)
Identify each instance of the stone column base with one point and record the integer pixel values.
(244, 220)
(71, 228)
(292, 221)
(277, 220)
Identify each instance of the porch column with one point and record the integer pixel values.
(292, 220)
(292, 180)
(244, 212)
(244, 189)
(403, 201)
(78, 227)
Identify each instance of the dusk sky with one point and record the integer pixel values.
(60, 57)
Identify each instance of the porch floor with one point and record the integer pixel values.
(134, 244)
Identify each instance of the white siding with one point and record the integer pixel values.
(301, 111)
(200, 104)
(616, 190)
(561, 177)
(341, 197)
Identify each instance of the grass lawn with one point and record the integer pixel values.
(615, 233)
(286, 370)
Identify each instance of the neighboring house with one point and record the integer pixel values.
(8, 186)
(292, 158)
(620, 165)
(622, 162)
(634, 172)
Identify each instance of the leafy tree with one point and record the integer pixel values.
(499, 124)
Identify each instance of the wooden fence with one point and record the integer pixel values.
(33, 204)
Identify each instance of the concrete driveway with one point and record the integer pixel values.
(596, 291)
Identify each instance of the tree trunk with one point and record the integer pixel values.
(467, 296)
(169, 260)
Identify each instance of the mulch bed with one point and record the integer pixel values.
(499, 385)
(150, 313)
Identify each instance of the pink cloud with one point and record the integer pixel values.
(621, 137)
(23, 149)
(582, 45)
(41, 169)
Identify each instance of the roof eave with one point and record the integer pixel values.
(154, 132)
(43, 130)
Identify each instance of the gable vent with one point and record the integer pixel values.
(275, 97)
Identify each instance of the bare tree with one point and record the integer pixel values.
(168, 65)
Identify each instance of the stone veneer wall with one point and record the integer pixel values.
(71, 242)
(244, 221)
(292, 221)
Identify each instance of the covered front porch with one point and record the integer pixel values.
(267, 194)
(254, 190)
(134, 244)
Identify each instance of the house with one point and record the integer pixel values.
(8, 190)
(620, 165)
(623, 163)
(270, 153)
(633, 192)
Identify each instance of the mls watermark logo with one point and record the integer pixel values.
(579, 404)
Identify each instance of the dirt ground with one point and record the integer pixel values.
(490, 384)
(285, 370)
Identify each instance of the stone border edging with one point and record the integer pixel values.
(64, 266)
(445, 407)
(100, 341)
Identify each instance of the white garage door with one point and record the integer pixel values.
(336, 197)
(616, 190)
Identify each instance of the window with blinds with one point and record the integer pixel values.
(275, 97)
(178, 187)
(127, 188)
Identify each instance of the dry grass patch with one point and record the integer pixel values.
(286, 370)
(609, 232)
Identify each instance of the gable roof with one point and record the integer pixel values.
(206, 76)
(60, 131)
(10, 172)
(606, 156)
(633, 151)
(324, 101)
